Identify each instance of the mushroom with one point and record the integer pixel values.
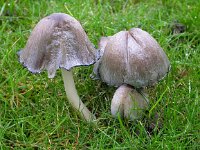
(59, 41)
(128, 102)
(131, 58)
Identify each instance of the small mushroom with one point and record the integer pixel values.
(59, 41)
(132, 58)
(128, 102)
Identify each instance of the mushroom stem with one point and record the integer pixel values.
(73, 97)
(128, 102)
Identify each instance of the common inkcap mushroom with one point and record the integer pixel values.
(128, 102)
(59, 41)
(131, 58)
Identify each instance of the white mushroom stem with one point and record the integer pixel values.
(128, 102)
(73, 97)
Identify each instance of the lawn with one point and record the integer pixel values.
(34, 110)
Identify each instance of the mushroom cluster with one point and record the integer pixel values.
(130, 60)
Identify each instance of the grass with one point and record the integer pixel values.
(34, 111)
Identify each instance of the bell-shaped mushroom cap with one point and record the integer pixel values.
(57, 41)
(132, 57)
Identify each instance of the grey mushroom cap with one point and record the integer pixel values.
(57, 41)
(132, 57)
